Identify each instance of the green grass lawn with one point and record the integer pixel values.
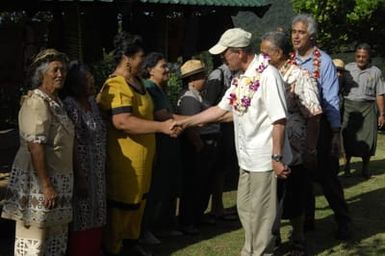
(366, 199)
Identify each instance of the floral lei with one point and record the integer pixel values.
(316, 61)
(245, 87)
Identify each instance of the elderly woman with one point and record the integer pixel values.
(89, 201)
(304, 109)
(130, 145)
(40, 191)
(199, 151)
(161, 206)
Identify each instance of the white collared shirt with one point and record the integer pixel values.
(253, 129)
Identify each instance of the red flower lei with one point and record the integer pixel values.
(316, 61)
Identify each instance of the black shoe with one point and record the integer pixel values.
(343, 232)
(365, 173)
(189, 230)
(297, 248)
(278, 241)
(207, 220)
(106, 253)
(138, 250)
(347, 172)
(230, 217)
(309, 225)
(148, 238)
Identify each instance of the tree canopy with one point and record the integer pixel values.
(344, 23)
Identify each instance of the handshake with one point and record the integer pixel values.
(173, 127)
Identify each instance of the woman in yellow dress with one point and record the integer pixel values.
(128, 108)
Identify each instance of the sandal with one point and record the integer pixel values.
(224, 217)
(297, 248)
(347, 172)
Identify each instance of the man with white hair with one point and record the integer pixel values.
(256, 99)
(320, 65)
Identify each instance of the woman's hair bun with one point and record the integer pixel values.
(126, 44)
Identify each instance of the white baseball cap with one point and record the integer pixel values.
(233, 37)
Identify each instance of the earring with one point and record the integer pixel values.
(128, 65)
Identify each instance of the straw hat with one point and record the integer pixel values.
(49, 55)
(340, 64)
(192, 67)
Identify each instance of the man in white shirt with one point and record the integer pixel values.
(256, 103)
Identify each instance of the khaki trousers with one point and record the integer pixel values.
(257, 209)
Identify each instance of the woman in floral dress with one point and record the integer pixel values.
(89, 201)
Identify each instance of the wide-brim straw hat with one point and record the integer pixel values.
(340, 64)
(192, 67)
(49, 55)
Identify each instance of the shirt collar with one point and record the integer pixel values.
(250, 71)
(300, 60)
(356, 68)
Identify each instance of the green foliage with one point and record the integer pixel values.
(364, 9)
(11, 88)
(174, 84)
(102, 69)
(342, 23)
(21, 17)
(12, 17)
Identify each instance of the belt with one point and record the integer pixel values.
(210, 136)
(210, 142)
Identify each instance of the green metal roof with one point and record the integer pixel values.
(237, 3)
(224, 3)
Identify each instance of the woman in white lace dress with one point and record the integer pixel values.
(40, 191)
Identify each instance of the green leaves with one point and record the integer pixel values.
(364, 9)
(346, 22)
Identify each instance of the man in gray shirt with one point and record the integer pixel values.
(364, 89)
(218, 81)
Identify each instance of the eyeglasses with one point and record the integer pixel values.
(227, 53)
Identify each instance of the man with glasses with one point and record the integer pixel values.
(256, 103)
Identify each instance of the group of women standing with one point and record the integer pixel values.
(82, 168)
(57, 188)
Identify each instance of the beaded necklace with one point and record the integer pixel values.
(316, 61)
(244, 87)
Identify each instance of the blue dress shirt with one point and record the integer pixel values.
(328, 86)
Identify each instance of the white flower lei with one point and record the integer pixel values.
(245, 87)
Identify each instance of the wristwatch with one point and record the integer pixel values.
(276, 157)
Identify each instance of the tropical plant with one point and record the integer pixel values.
(103, 68)
(174, 84)
(342, 23)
